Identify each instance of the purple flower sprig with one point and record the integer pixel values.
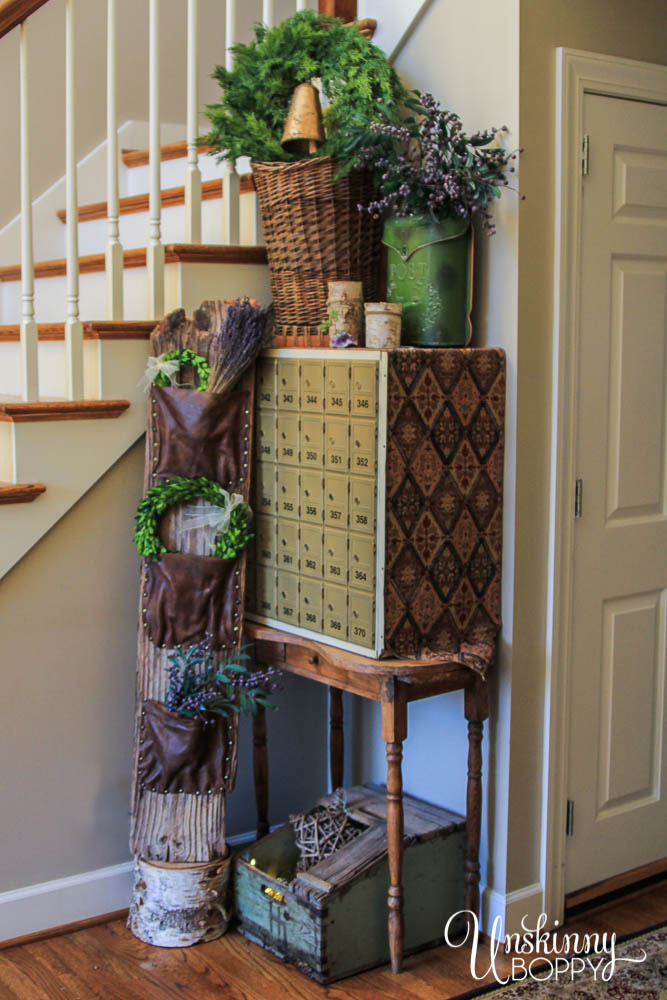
(202, 686)
(425, 164)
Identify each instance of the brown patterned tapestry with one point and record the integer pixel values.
(444, 503)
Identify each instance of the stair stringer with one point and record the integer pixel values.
(70, 456)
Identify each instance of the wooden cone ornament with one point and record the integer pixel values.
(304, 131)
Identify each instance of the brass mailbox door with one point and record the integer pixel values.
(310, 550)
(266, 591)
(312, 442)
(288, 546)
(312, 386)
(266, 383)
(265, 489)
(363, 447)
(335, 611)
(310, 498)
(362, 505)
(288, 438)
(363, 382)
(265, 541)
(337, 384)
(362, 618)
(288, 597)
(288, 492)
(335, 500)
(266, 435)
(337, 444)
(335, 556)
(288, 384)
(310, 605)
(362, 561)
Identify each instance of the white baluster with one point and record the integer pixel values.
(231, 190)
(73, 327)
(114, 250)
(29, 369)
(268, 13)
(192, 172)
(301, 4)
(155, 250)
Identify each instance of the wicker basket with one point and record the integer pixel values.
(315, 234)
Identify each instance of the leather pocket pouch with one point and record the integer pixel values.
(189, 598)
(200, 434)
(184, 755)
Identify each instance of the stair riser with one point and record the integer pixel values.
(134, 227)
(215, 281)
(172, 174)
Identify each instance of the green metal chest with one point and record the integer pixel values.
(331, 921)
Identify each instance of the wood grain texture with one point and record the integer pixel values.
(476, 710)
(84, 409)
(105, 330)
(169, 197)
(20, 492)
(13, 12)
(199, 253)
(346, 9)
(170, 151)
(106, 962)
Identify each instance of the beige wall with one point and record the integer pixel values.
(68, 615)
(613, 27)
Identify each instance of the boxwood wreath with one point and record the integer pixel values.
(186, 359)
(256, 94)
(179, 490)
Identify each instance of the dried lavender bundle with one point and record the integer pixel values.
(245, 331)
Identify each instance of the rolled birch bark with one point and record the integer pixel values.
(178, 905)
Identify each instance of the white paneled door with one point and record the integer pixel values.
(617, 757)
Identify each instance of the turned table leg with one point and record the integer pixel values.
(394, 731)
(476, 711)
(336, 749)
(261, 771)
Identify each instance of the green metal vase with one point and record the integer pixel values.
(429, 271)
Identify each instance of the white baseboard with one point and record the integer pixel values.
(507, 911)
(64, 900)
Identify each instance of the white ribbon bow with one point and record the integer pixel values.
(214, 519)
(155, 367)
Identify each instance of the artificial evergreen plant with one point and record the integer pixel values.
(355, 76)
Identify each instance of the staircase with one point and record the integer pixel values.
(74, 329)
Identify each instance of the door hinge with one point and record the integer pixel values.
(585, 143)
(569, 818)
(578, 491)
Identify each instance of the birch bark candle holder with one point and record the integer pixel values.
(346, 312)
(383, 325)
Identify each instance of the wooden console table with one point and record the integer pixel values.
(393, 683)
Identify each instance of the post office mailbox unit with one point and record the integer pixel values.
(319, 495)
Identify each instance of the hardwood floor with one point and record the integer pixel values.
(106, 962)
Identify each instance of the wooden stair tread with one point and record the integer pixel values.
(203, 253)
(169, 197)
(105, 330)
(20, 492)
(170, 151)
(79, 409)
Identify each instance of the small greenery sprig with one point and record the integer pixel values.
(427, 165)
(186, 358)
(199, 688)
(256, 94)
(159, 498)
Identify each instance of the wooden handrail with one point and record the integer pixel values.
(14, 12)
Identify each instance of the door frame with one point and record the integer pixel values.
(578, 73)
